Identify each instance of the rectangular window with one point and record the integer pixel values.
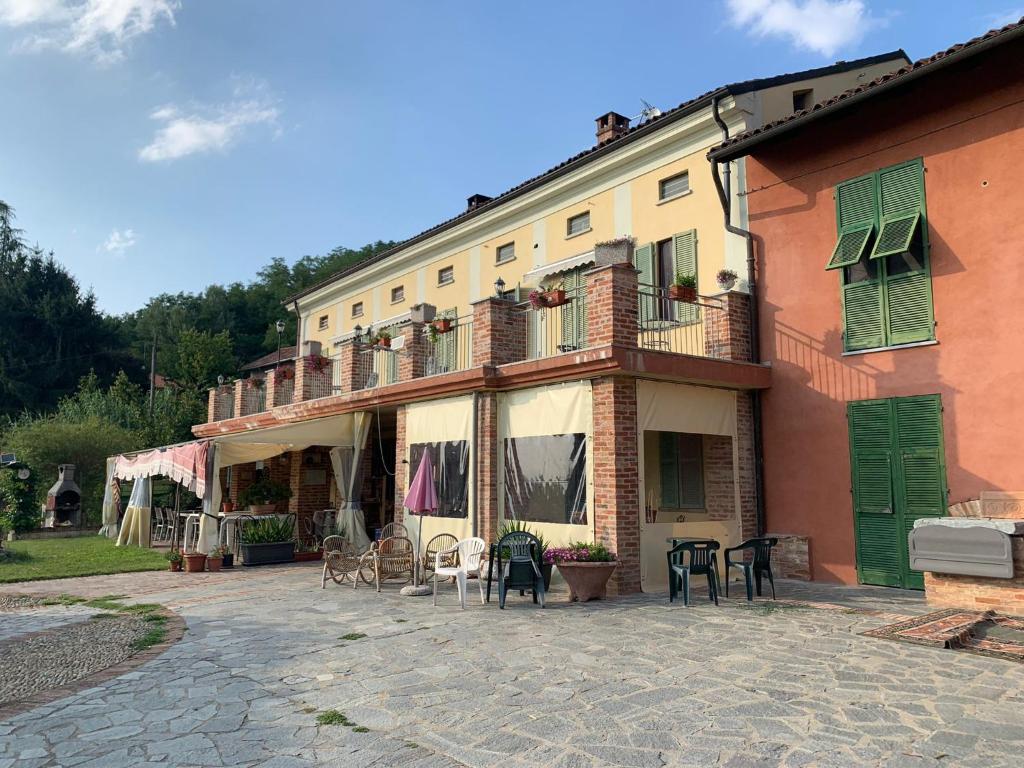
(673, 186)
(505, 253)
(803, 99)
(882, 252)
(451, 474)
(398, 294)
(445, 275)
(682, 470)
(577, 224)
(546, 479)
(357, 309)
(323, 322)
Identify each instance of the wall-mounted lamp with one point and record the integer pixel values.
(499, 287)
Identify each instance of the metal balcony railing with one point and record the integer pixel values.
(375, 367)
(225, 403)
(556, 330)
(254, 395)
(450, 351)
(668, 325)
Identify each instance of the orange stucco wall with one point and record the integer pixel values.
(968, 125)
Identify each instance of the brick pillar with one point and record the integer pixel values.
(401, 469)
(413, 355)
(284, 386)
(727, 330)
(617, 482)
(499, 332)
(612, 306)
(308, 497)
(487, 467)
(271, 384)
(745, 469)
(312, 379)
(239, 397)
(217, 403)
(348, 367)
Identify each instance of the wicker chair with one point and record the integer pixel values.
(342, 562)
(392, 558)
(443, 542)
(391, 530)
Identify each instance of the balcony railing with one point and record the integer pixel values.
(667, 325)
(284, 391)
(225, 402)
(451, 351)
(375, 367)
(254, 395)
(557, 330)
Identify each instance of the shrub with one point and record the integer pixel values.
(18, 508)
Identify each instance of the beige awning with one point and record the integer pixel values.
(536, 275)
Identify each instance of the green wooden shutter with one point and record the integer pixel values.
(579, 307)
(862, 311)
(684, 261)
(909, 305)
(643, 258)
(875, 524)
(855, 220)
(444, 346)
(573, 314)
(691, 471)
(901, 206)
(668, 453)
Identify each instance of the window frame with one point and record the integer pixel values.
(803, 92)
(662, 197)
(357, 309)
(577, 217)
(498, 250)
(440, 275)
(697, 440)
(323, 322)
(400, 289)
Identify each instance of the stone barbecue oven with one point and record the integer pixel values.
(63, 500)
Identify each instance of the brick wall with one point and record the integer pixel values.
(413, 354)
(487, 467)
(307, 497)
(400, 468)
(617, 483)
(719, 483)
(980, 594)
(727, 331)
(612, 305)
(791, 559)
(242, 476)
(499, 332)
(745, 450)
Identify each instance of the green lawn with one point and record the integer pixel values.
(85, 556)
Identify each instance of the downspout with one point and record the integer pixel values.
(298, 329)
(475, 490)
(725, 197)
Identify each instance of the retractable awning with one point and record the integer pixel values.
(536, 275)
(259, 444)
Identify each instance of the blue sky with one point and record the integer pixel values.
(161, 145)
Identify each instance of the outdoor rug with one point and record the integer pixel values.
(982, 632)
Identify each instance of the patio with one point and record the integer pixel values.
(626, 682)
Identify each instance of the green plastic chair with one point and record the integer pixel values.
(758, 566)
(518, 555)
(701, 560)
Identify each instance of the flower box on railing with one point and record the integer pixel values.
(548, 299)
(682, 293)
(443, 325)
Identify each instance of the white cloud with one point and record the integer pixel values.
(209, 129)
(100, 29)
(822, 26)
(1002, 18)
(119, 241)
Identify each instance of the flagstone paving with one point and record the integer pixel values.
(629, 682)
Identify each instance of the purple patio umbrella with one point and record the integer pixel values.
(421, 500)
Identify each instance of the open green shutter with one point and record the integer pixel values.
(643, 258)
(684, 261)
(855, 220)
(901, 205)
(570, 322)
(668, 452)
(862, 311)
(444, 347)
(579, 307)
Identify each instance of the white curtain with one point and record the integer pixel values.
(346, 462)
(111, 507)
(135, 528)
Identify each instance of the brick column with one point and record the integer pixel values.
(617, 483)
(612, 306)
(348, 367)
(487, 467)
(217, 403)
(239, 397)
(727, 330)
(271, 384)
(499, 332)
(413, 354)
(284, 386)
(401, 469)
(307, 498)
(311, 380)
(745, 468)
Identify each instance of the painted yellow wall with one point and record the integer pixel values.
(601, 209)
(511, 272)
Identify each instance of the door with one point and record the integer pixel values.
(898, 475)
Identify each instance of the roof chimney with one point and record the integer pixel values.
(475, 201)
(611, 126)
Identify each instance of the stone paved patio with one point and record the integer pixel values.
(632, 682)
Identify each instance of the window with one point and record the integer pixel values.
(658, 264)
(546, 479)
(357, 309)
(681, 459)
(882, 252)
(577, 225)
(451, 474)
(673, 186)
(505, 253)
(398, 294)
(445, 275)
(323, 322)
(803, 99)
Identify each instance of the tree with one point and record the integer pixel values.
(199, 357)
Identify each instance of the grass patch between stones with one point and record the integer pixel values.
(333, 717)
(353, 636)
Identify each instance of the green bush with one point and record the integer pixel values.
(18, 508)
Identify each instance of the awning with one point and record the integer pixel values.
(536, 276)
(330, 431)
(184, 463)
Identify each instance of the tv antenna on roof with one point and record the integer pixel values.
(649, 112)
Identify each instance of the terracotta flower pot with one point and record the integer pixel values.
(587, 581)
(443, 325)
(386, 343)
(228, 506)
(175, 567)
(263, 509)
(195, 562)
(682, 293)
(555, 298)
(214, 563)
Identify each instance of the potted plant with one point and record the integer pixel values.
(254, 382)
(284, 374)
(384, 339)
(555, 297)
(308, 552)
(726, 279)
(442, 324)
(586, 568)
(263, 496)
(215, 558)
(268, 540)
(174, 560)
(683, 288)
(320, 363)
(511, 526)
(195, 562)
(616, 251)
(227, 506)
(537, 300)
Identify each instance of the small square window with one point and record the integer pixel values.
(505, 253)
(445, 275)
(577, 224)
(398, 294)
(803, 99)
(323, 322)
(357, 309)
(673, 186)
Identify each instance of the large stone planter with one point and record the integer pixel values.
(587, 581)
(618, 251)
(268, 554)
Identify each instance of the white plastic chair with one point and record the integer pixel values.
(159, 524)
(470, 552)
(191, 533)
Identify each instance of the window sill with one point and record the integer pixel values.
(581, 232)
(398, 301)
(504, 261)
(449, 282)
(892, 348)
(356, 317)
(674, 197)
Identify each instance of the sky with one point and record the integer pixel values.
(162, 145)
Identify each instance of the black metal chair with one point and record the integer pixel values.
(754, 569)
(518, 555)
(701, 561)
